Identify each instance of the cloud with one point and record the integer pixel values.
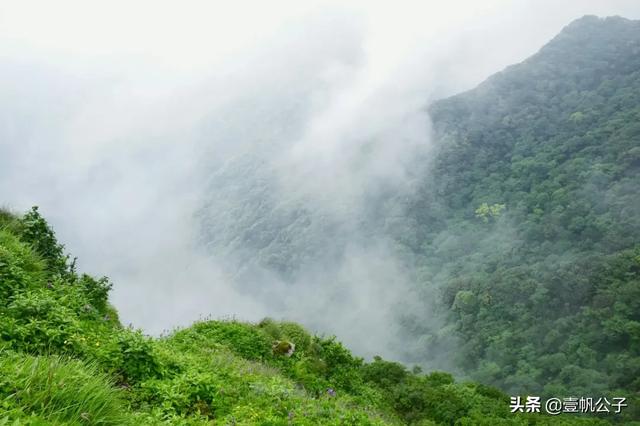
(238, 160)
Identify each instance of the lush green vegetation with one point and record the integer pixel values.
(529, 222)
(521, 228)
(525, 221)
(65, 359)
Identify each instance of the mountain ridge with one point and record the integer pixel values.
(524, 231)
(530, 199)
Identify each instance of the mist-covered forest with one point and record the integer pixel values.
(532, 217)
(301, 253)
(521, 224)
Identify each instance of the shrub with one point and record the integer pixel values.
(97, 291)
(271, 328)
(384, 373)
(37, 321)
(35, 230)
(7, 219)
(19, 267)
(244, 339)
(340, 367)
(139, 357)
(297, 334)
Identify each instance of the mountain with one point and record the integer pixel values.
(65, 359)
(529, 220)
(512, 244)
(509, 253)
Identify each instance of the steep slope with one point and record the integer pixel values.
(529, 223)
(520, 230)
(65, 359)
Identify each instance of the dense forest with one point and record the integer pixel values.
(529, 223)
(65, 359)
(519, 229)
(519, 225)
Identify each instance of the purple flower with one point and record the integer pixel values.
(331, 392)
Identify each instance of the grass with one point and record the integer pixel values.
(58, 390)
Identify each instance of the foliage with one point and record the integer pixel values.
(19, 266)
(509, 224)
(67, 360)
(55, 390)
(542, 295)
(35, 231)
(486, 211)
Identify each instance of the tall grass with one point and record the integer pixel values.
(58, 390)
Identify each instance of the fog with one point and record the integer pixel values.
(234, 160)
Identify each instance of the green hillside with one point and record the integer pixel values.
(529, 221)
(521, 231)
(65, 359)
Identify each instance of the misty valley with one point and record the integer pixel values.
(283, 258)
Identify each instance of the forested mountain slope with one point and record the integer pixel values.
(520, 230)
(65, 359)
(529, 221)
(519, 226)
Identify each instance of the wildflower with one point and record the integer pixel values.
(331, 392)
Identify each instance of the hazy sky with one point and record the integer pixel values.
(108, 108)
(195, 36)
